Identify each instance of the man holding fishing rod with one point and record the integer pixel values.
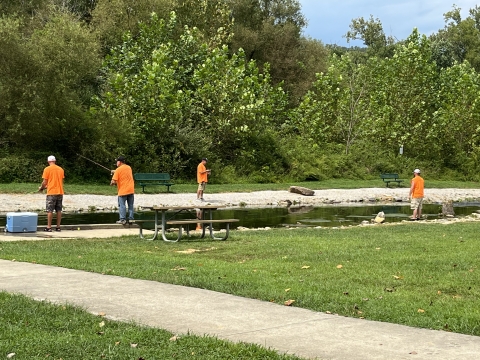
(103, 167)
(123, 178)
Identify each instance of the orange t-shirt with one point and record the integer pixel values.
(201, 177)
(54, 175)
(124, 178)
(418, 185)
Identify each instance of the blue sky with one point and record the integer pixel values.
(329, 20)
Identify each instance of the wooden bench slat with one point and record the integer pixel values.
(390, 177)
(152, 176)
(153, 182)
(159, 179)
(198, 221)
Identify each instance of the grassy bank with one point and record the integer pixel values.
(38, 330)
(423, 275)
(24, 188)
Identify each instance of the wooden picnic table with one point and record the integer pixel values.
(168, 215)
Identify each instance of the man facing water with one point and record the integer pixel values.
(416, 194)
(123, 178)
(53, 176)
(202, 178)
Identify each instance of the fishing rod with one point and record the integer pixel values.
(109, 170)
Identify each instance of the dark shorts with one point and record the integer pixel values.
(54, 202)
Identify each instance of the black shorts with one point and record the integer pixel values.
(54, 202)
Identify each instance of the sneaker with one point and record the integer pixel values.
(123, 222)
(58, 229)
(48, 229)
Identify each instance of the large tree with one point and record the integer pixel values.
(371, 33)
(459, 40)
(47, 79)
(182, 99)
(112, 18)
(270, 31)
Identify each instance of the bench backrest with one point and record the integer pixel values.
(389, 176)
(151, 177)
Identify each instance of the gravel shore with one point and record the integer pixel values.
(72, 203)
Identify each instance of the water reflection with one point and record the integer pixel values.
(328, 216)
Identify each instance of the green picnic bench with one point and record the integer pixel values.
(388, 178)
(146, 179)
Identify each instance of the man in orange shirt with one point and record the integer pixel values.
(202, 178)
(123, 178)
(53, 176)
(416, 195)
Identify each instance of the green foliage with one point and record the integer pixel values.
(47, 80)
(22, 8)
(270, 32)
(212, 18)
(238, 105)
(148, 92)
(371, 33)
(403, 97)
(335, 109)
(380, 105)
(19, 168)
(456, 131)
(459, 40)
(181, 100)
(112, 18)
(204, 80)
(307, 160)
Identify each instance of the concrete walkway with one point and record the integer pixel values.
(95, 231)
(182, 309)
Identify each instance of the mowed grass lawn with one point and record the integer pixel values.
(422, 275)
(38, 330)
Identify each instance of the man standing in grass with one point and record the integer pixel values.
(123, 178)
(53, 176)
(202, 178)
(416, 195)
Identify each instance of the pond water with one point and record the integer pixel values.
(328, 216)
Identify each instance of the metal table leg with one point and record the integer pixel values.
(155, 234)
(210, 228)
(164, 229)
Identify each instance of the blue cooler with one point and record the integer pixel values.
(19, 222)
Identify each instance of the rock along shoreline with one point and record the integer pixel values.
(83, 202)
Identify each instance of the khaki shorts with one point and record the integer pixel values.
(54, 202)
(416, 203)
(202, 186)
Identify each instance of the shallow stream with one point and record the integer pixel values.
(327, 216)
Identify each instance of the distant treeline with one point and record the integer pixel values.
(167, 82)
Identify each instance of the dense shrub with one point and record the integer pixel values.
(19, 168)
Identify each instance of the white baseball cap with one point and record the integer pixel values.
(416, 171)
(51, 158)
